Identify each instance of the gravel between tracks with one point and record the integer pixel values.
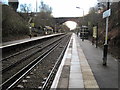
(23, 64)
(38, 75)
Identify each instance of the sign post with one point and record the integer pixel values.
(106, 15)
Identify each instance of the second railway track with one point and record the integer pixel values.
(9, 78)
(19, 57)
(15, 63)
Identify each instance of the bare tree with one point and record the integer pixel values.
(25, 8)
(44, 7)
(44, 17)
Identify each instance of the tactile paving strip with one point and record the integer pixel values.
(88, 77)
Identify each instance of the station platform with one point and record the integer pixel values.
(15, 42)
(74, 71)
(82, 68)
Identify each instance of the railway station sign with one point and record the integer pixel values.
(107, 13)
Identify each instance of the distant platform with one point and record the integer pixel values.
(6, 44)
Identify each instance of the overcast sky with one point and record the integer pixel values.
(63, 8)
(68, 7)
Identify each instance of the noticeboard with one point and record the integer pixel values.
(32, 24)
(95, 31)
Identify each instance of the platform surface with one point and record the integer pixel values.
(82, 68)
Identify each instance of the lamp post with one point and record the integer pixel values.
(83, 23)
(36, 6)
(83, 12)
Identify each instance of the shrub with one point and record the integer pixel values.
(12, 24)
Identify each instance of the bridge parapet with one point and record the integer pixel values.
(61, 20)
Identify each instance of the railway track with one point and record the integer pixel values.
(12, 60)
(15, 63)
(19, 50)
(17, 76)
(10, 50)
